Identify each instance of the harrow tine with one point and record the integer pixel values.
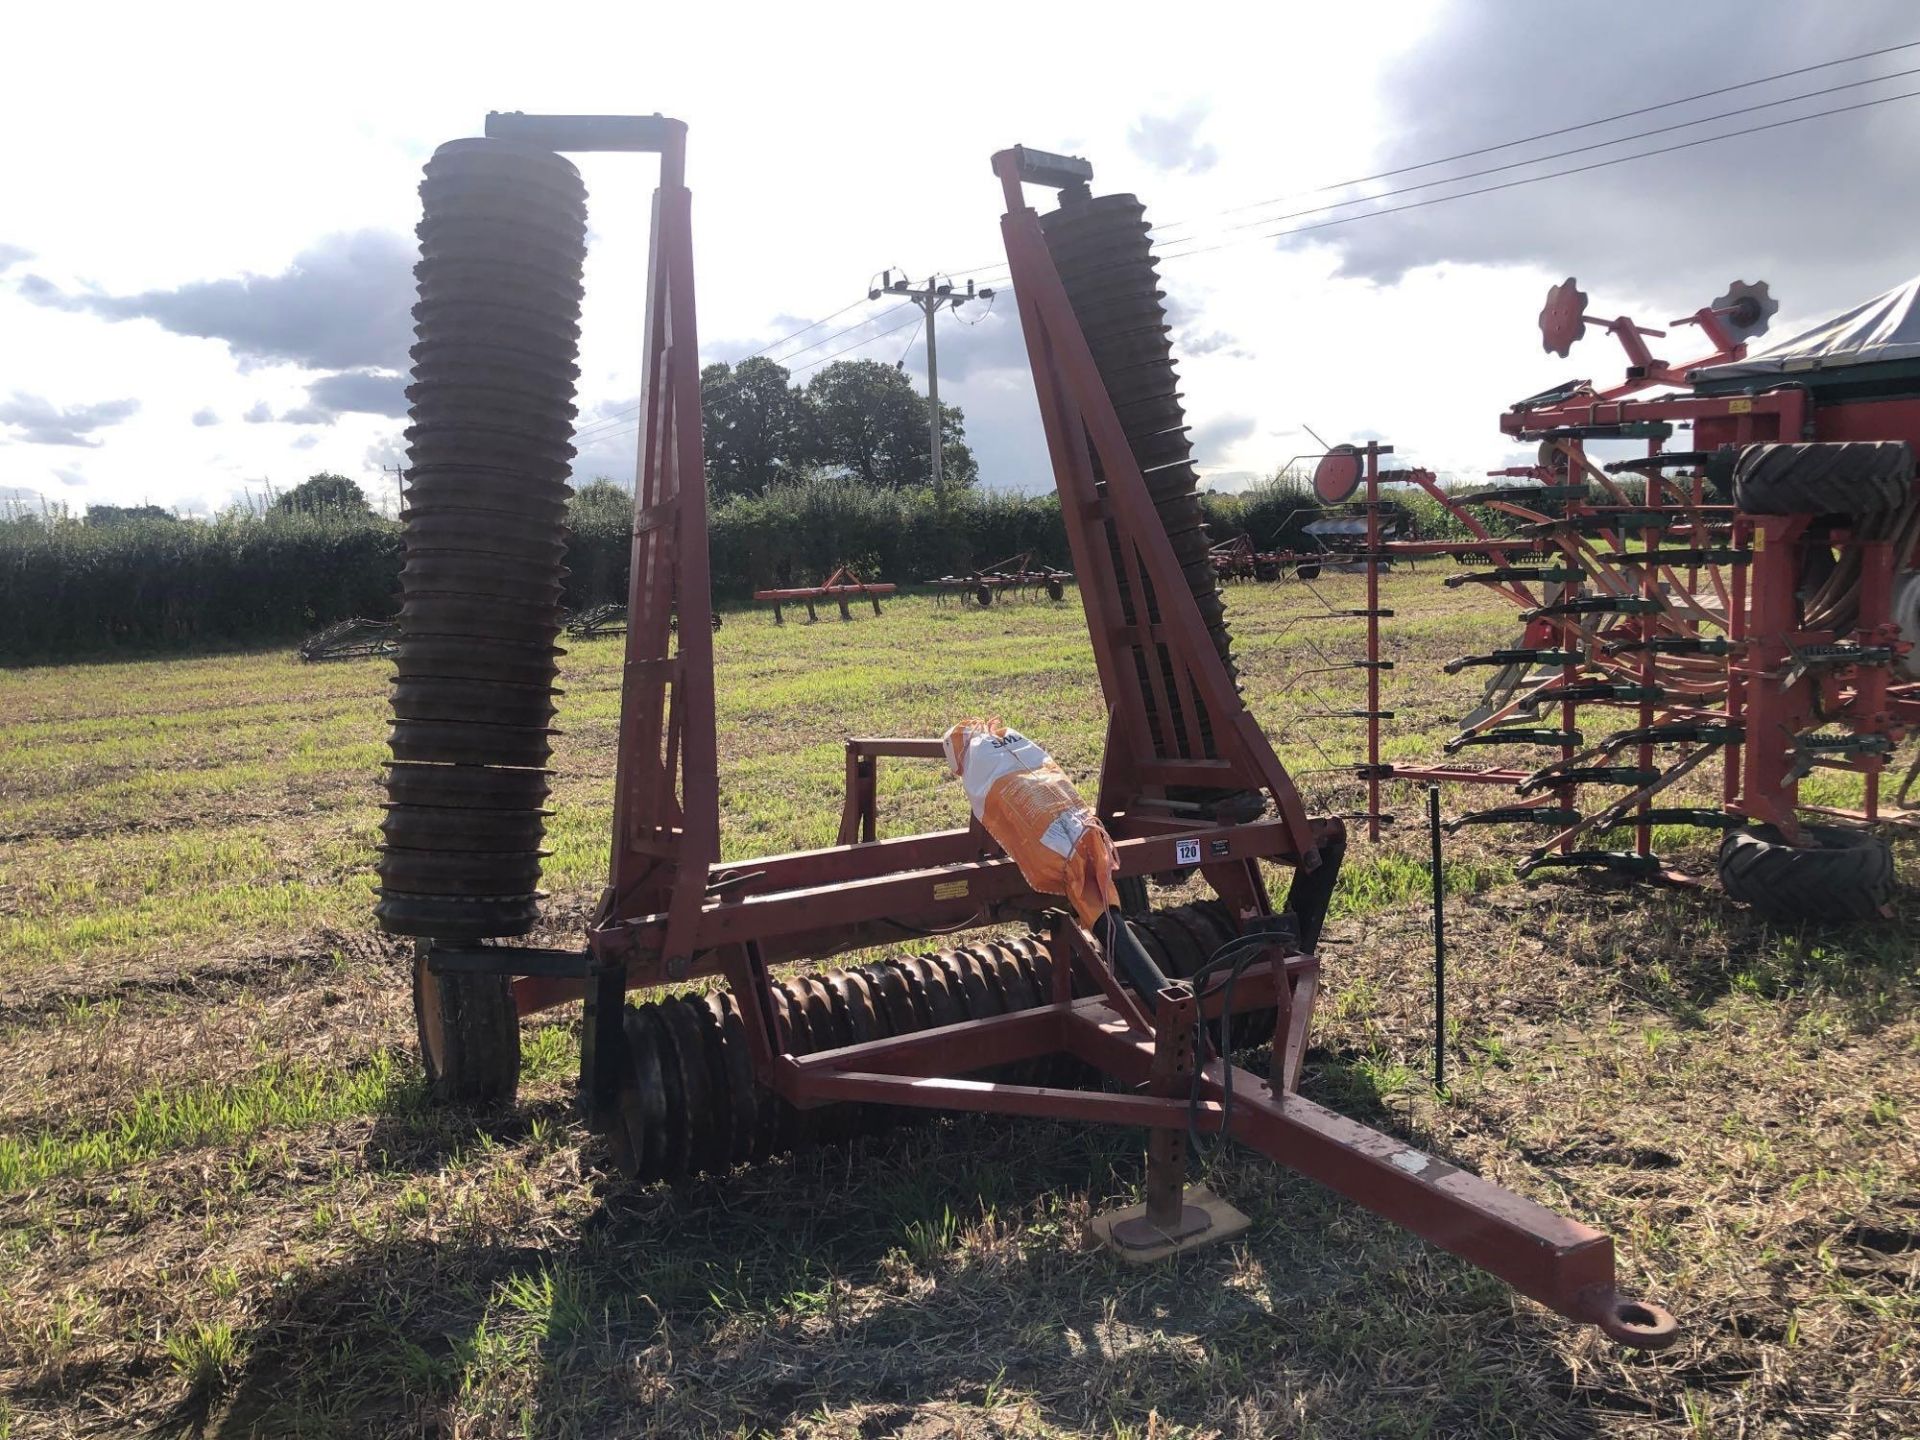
(1551, 814)
(1625, 862)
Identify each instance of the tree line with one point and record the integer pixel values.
(858, 418)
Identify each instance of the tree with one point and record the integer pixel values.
(103, 517)
(756, 426)
(870, 421)
(324, 491)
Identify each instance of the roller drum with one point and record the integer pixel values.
(1104, 256)
(502, 244)
(690, 1102)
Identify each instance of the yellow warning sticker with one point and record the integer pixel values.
(950, 890)
(1739, 407)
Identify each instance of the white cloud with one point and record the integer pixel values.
(1171, 142)
(277, 251)
(42, 423)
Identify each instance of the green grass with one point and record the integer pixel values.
(168, 1119)
(165, 1120)
(224, 1204)
(157, 808)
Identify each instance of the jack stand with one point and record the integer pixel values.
(1174, 1218)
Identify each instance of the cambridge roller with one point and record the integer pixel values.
(502, 242)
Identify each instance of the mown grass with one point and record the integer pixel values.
(277, 1096)
(228, 798)
(225, 1208)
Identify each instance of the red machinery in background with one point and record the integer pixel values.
(1017, 574)
(843, 586)
(698, 1081)
(1743, 600)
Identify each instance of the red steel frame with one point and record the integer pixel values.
(672, 910)
(842, 585)
(1761, 620)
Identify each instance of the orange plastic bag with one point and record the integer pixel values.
(1030, 806)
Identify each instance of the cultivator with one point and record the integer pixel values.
(1128, 1020)
(1239, 560)
(842, 587)
(607, 618)
(1017, 575)
(354, 639)
(1740, 601)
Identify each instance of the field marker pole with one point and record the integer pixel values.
(1439, 943)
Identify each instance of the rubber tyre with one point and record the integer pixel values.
(1849, 876)
(1854, 477)
(469, 1036)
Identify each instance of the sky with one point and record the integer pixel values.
(206, 250)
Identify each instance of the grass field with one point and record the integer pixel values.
(225, 1208)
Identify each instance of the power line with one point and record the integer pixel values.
(775, 344)
(891, 330)
(599, 431)
(588, 430)
(1561, 154)
(611, 427)
(907, 349)
(1161, 230)
(1563, 130)
(607, 436)
(591, 431)
(1551, 175)
(829, 339)
(930, 300)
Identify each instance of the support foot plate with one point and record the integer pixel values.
(1205, 1219)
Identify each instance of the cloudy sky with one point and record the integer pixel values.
(206, 249)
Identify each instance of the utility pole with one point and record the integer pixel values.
(930, 298)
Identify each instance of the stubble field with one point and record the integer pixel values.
(226, 1209)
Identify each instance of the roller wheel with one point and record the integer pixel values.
(469, 1035)
(1854, 477)
(1844, 875)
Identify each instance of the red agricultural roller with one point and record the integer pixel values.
(1133, 1020)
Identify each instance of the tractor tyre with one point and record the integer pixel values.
(1844, 875)
(1853, 477)
(469, 1036)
